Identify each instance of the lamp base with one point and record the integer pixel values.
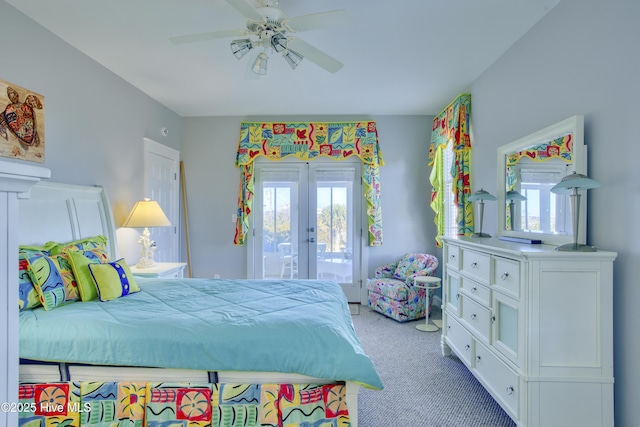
(480, 235)
(576, 247)
(145, 263)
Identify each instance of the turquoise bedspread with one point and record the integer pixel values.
(292, 326)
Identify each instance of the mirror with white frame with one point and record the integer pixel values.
(527, 169)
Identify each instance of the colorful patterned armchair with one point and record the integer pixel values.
(392, 293)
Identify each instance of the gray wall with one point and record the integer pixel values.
(209, 149)
(94, 121)
(582, 58)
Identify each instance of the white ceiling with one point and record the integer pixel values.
(402, 57)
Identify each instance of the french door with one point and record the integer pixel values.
(307, 220)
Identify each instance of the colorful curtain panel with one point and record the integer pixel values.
(308, 141)
(452, 126)
(109, 404)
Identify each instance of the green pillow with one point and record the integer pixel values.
(80, 261)
(113, 280)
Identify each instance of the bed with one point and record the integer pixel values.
(194, 352)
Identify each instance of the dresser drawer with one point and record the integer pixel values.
(460, 340)
(476, 316)
(500, 379)
(476, 265)
(453, 257)
(507, 275)
(481, 292)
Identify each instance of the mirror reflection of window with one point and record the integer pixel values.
(542, 211)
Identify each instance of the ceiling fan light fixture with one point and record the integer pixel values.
(279, 42)
(241, 47)
(293, 58)
(260, 65)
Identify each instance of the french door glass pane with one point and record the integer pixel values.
(279, 229)
(335, 228)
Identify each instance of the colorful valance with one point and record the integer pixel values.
(560, 148)
(308, 141)
(452, 126)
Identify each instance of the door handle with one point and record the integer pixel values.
(312, 239)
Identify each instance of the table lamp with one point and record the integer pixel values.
(512, 196)
(146, 213)
(570, 184)
(480, 195)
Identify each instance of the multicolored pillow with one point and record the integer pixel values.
(86, 244)
(46, 277)
(80, 260)
(27, 295)
(70, 285)
(113, 280)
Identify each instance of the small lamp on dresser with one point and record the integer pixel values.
(481, 195)
(570, 184)
(146, 213)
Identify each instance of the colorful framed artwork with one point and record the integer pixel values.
(21, 123)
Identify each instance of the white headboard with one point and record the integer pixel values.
(64, 212)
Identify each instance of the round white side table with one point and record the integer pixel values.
(427, 282)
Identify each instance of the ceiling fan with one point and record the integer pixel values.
(269, 28)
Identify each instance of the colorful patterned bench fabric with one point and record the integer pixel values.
(392, 293)
(107, 404)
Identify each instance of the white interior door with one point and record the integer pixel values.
(161, 183)
(307, 223)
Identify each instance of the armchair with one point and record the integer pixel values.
(391, 291)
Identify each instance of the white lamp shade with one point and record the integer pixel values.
(146, 213)
(575, 180)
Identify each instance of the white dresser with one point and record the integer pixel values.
(535, 326)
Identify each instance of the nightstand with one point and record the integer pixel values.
(164, 270)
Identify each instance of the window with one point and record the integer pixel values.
(450, 207)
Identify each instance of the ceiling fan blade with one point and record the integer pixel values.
(314, 55)
(334, 18)
(191, 38)
(246, 9)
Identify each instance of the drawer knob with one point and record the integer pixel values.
(474, 264)
(475, 288)
(493, 319)
(452, 257)
(467, 347)
(504, 276)
(458, 296)
(510, 390)
(448, 327)
(478, 358)
(473, 316)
